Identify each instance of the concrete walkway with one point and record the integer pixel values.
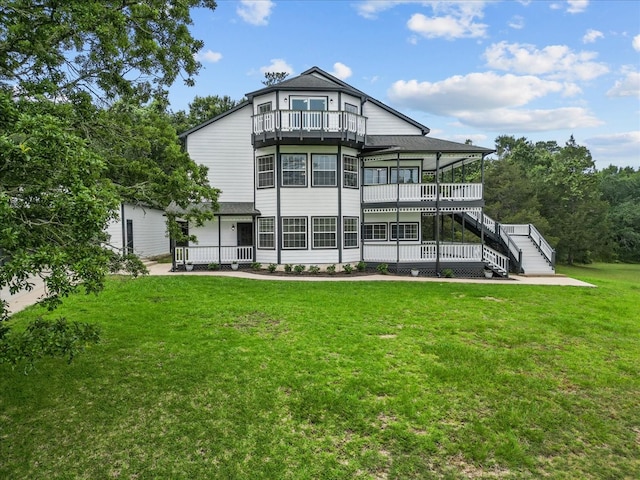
(23, 299)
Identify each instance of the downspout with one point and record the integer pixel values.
(464, 181)
(278, 226)
(124, 229)
(339, 180)
(361, 225)
(397, 212)
(438, 213)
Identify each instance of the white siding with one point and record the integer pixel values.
(149, 231)
(381, 122)
(224, 146)
(207, 234)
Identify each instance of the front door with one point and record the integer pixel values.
(245, 234)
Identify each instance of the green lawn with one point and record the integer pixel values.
(209, 377)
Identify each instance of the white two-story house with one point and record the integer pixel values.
(316, 172)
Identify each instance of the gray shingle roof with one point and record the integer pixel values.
(419, 143)
(224, 208)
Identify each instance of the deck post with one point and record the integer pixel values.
(438, 213)
(397, 213)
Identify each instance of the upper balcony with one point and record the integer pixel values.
(308, 126)
(422, 192)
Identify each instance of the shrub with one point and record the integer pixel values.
(299, 268)
(361, 266)
(272, 267)
(331, 269)
(347, 268)
(256, 265)
(314, 269)
(447, 273)
(288, 267)
(383, 268)
(213, 266)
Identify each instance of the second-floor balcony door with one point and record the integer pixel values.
(307, 112)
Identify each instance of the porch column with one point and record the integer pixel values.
(219, 217)
(397, 212)
(438, 213)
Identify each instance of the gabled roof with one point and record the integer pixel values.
(311, 80)
(216, 118)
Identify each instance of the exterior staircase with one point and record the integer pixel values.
(527, 249)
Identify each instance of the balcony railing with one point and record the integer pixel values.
(287, 123)
(417, 192)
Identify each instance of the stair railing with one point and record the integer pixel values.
(546, 249)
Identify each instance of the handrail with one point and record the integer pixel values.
(331, 121)
(546, 249)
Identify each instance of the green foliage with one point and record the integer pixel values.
(200, 110)
(299, 268)
(331, 269)
(44, 338)
(272, 267)
(447, 273)
(288, 267)
(256, 265)
(213, 266)
(383, 268)
(361, 266)
(58, 48)
(314, 269)
(347, 268)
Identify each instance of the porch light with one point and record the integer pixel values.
(233, 227)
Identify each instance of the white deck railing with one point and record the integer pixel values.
(206, 255)
(449, 252)
(418, 192)
(309, 121)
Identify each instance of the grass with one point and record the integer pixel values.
(209, 377)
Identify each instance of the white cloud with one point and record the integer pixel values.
(341, 71)
(516, 22)
(554, 61)
(277, 65)
(209, 56)
(475, 91)
(620, 149)
(448, 27)
(577, 6)
(629, 86)
(491, 101)
(370, 8)
(591, 36)
(255, 12)
(636, 43)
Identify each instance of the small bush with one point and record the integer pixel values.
(361, 266)
(314, 269)
(331, 269)
(383, 268)
(299, 268)
(347, 268)
(256, 265)
(213, 266)
(447, 273)
(272, 267)
(288, 267)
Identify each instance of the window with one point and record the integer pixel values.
(350, 170)
(294, 233)
(324, 232)
(324, 170)
(349, 108)
(350, 232)
(374, 231)
(375, 176)
(266, 232)
(407, 175)
(294, 170)
(266, 172)
(308, 103)
(408, 231)
(264, 107)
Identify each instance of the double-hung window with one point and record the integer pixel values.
(324, 232)
(375, 176)
(266, 232)
(374, 231)
(406, 175)
(294, 170)
(266, 171)
(294, 233)
(350, 231)
(324, 170)
(404, 231)
(350, 167)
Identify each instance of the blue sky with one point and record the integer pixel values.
(467, 70)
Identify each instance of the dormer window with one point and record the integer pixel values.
(308, 103)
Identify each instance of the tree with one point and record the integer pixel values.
(76, 139)
(110, 48)
(200, 110)
(271, 78)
